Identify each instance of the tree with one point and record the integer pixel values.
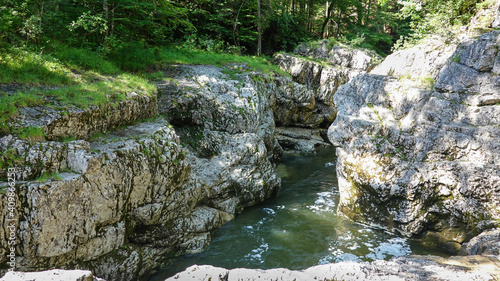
(259, 29)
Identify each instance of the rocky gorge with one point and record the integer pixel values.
(418, 150)
(152, 176)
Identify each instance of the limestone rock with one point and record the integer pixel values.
(415, 158)
(346, 57)
(423, 60)
(340, 65)
(82, 123)
(486, 243)
(324, 70)
(401, 268)
(301, 140)
(150, 190)
(52, 275)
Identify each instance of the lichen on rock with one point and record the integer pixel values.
(417, 159)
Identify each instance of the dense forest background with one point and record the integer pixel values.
(118, 29)
(93, 52)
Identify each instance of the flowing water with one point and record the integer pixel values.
(298, 228)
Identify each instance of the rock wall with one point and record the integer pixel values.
(120, 204)
(111, 191)
(80, 123)
(321, 69)
(418, 156)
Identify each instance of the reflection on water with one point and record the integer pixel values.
(298, 228)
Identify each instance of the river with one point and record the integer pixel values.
(298, 228)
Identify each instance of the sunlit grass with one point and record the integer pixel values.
(10, 104)
(46, 176)
(86, 60)
(79, 77)
(81, 95)
(178, 55)
(29, 68)
(31, 134)
(100, 93)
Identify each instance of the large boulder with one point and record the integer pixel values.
(420, 158)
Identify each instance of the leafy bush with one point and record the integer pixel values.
(284, 33)
(86, 59)
(133, 56)
(435, 16)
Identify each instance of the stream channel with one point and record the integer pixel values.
(298, 228)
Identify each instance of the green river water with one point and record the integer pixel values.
(298, 228)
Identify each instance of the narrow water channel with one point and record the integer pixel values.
(298, 228)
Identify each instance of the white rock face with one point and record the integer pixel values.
(416, 268)
(51, 275)
(321, 81)
(415, 156)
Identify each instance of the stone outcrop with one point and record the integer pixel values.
(321, 69)
(306, 141)
(68, 122)
(402, 268)
(324, 69)
(52, 275)
(120, 203)
(418, 156)
(80, 123)
(110, 190)
(486, 244)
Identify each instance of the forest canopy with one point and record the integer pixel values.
(115, 28)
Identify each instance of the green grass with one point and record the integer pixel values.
(81, 95)
(8, 159)
(29, 68)
(31, 134)
(46, 176)
(85, 59)
(178, 55)
(10, 104)
(70, 76)
(99, 93)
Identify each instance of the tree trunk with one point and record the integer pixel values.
(329, 8)
(259, 29)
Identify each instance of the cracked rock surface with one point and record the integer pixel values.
(423, 159)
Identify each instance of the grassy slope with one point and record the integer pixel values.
(82, 78)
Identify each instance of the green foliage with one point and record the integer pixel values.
(89, 24)
(46, 176)
(30, 68)
(435, 17)
(173, 55)
(285, 32)
(10, 104)
(99, 93)
(134, 56)
(31, 134)
(8, 159)
(86, 59)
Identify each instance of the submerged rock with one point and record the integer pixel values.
(418, 157)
